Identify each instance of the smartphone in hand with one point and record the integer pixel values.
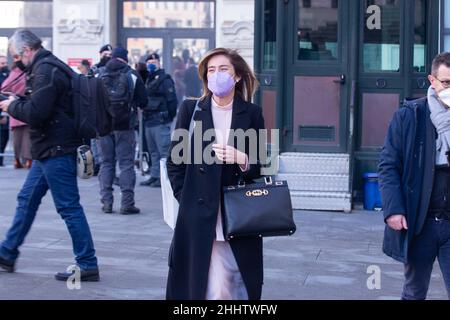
(3, 97)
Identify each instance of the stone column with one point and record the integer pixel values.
(235, 26)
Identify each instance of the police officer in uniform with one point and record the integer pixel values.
(158, 116)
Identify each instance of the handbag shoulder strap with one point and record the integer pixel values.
(192, 123)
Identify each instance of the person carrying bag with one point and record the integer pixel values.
(203, 263)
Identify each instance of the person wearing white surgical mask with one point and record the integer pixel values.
(414, 179)
(439, 104)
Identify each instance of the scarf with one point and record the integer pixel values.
(440, 117)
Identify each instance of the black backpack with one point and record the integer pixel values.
(119, 86)
(91, 108)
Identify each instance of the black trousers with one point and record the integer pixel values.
(433, 242)
(4, 137)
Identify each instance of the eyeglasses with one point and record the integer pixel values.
(445, 83)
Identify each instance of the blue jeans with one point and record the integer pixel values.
(59, 175)
(158, 142)
(433, 241)
(96, 151)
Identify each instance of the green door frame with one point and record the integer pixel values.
(407, 82)
(292, 66)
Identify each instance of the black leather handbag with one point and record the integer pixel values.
(258, 209)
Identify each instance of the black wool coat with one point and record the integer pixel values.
(198, 188)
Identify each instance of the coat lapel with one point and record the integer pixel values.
(431, 136)
(240, 118)
(206, 119)
(205, 115)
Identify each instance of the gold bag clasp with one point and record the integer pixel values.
(257, 193)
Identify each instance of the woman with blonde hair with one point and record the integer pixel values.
(202, 263)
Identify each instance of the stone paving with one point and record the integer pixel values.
(327, 258)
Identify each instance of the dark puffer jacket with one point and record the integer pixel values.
(48, 110)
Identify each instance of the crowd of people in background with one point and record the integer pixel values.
(154, 91)
(157, 95)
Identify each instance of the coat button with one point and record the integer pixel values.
(201, 201)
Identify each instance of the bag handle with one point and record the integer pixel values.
(267, 179)
(192, 125)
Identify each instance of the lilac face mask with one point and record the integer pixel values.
(221, 84)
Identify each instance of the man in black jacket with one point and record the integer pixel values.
(158, 115)
(49, 112)
(105, 57)
(127, 93)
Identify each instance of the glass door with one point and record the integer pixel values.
(317, 76)
(382, 72)
(168, 27)
(139, 48)
(396, 47)
(394, 64)
(186, 55)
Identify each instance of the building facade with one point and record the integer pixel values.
(76, 29)
(332, 72)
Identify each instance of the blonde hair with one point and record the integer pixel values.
(248, 84)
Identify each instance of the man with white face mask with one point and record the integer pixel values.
(414, 176)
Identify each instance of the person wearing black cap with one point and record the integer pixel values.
(105, 56)
(127, 93)
(158, 116)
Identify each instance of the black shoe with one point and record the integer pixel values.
(92, 275)
(107, 208)
(130, 210)
(6, 265)
(149, 182)
(156, 184)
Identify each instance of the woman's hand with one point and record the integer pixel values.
(230, 155)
